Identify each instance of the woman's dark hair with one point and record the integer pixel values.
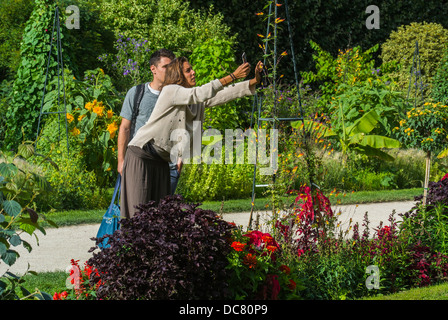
(174, 72)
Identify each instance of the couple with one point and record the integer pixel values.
(171, 101)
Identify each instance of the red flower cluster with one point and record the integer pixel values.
(60, 296)
(81, 281)
(319, 201)
(262, 240)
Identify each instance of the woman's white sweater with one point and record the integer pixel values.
(175, 111)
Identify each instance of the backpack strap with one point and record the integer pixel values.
(140, 90)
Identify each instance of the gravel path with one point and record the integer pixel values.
(54, 250)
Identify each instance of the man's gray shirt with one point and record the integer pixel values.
(146, 106)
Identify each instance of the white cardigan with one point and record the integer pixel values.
(177, 107)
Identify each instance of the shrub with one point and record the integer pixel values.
(170, 251)
(73, 187)
(183, 28)
(214, 59)
(19, 185)
(440, 82)
(400, 47)
(23, 111)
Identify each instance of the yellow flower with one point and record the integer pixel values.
(98, 109)
(70, 117)
(110, 114)
(112, 128)
(75, 131)
(81, 117)
(89, 106)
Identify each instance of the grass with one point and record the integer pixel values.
(77, 217)
(434, 292)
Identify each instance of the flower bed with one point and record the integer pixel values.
(303, 254)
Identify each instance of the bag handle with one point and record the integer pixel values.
(116, 190)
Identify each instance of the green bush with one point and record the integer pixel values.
(19, 185)
(211, 60)
(73, 187)
(199, 182)
(26, 95)
(170, 24)
(440, 82)
(400, 47)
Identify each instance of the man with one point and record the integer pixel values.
(158, 62)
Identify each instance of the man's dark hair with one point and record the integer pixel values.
(155, 57)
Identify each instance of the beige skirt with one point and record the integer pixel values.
(145, 177)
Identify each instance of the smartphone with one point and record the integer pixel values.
(244, 57)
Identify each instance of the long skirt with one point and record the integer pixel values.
(145, 177)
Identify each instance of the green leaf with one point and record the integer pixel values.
(3, 248)
(378, 142)
(12, 207)
(15, 240)
(26, 150)
(365, 124)
(43, 296)
(8, 169)
(10, 257)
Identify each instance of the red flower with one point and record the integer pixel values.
(250, 260)
(444, 177)
(275, 289)
(291, 285)
(60, 296)
(238, 246)
(285, 269)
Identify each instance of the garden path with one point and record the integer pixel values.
(54, 250)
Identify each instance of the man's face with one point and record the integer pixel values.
(159, 70)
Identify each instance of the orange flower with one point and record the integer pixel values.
(70, 117)
(75, 131)
(284, 53)
(259, 13)
(238, 246)
(110, 114)
(278, 20)
(250, 260)
(112, 128)
(89, 106)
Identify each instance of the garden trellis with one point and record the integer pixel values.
(258, 100)
(60, 73)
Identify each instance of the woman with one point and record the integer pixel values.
(145, 174)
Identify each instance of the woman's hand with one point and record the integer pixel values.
(257, 79)
(242, 71)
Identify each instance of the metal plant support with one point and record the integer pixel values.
(258, 100)
(60, 73)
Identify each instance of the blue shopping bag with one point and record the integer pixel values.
(110, 219)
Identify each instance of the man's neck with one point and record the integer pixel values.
(155, 85)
